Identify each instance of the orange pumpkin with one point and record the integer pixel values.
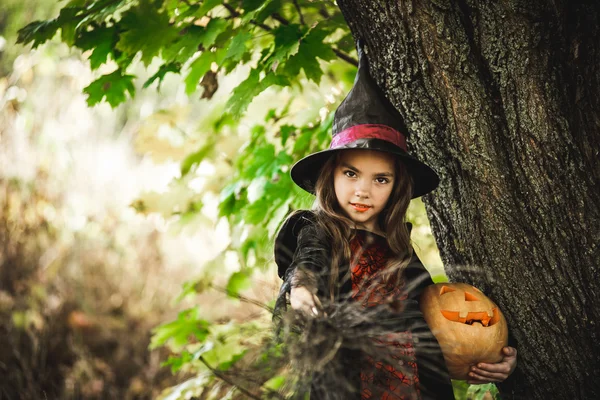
(468, 326)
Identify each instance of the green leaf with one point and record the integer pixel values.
(37, 32)
(257, 134)
(227, 206)
(286, 131)
(275, 382)
(195, 286)
(114, 87)
(460, 389)
(481, 392)
(269, 8)
(100, 54)
(226, 365)
(257, 211)
(146, 30)
(311, 47)
(251, 5)
(67, 20)
(252, 8)
(179, 331)
(286, 43)
(103, 11)
(76, 3)
(246, 91)
(196, 158)
(185, 45)
(207, 5)
(302, 143)
(215, 27)
(160, 74)
(237, 47)
(238, 282)
(101, 41)
(271, 115)
(259, 161)
(176, 363)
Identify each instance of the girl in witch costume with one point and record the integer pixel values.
(354, 246)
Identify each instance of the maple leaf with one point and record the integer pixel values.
(311, 47)
(114, 87)
(246, 91)
(286, 43)
(207, 5)
(147, 30)
(215, 27)
(37, 32)
(185, 45)
(101, 41)
(237, 47)
(160, 74)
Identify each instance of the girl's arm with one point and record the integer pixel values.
(307, 269)
(302, 257)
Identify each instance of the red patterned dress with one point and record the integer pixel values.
(370, 253)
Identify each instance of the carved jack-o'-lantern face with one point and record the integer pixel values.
(468, 307)
(469, 327)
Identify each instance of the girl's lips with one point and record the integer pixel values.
(360, 207)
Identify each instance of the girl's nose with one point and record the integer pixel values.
(361, 190)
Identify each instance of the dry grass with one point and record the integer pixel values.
(76, 309)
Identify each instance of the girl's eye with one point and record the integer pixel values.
(382, 180)
(350, 174)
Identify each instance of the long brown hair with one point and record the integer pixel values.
(340, 229)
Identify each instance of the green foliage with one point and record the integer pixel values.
(112, 87)
(149, 31)
(14, 15)
(178, 332)
(237, 282)
(189, 38)
(481, 392)
(462, 390)
(38, 32)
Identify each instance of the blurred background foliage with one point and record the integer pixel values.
(144, 156)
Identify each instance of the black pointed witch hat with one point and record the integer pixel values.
(366, 120)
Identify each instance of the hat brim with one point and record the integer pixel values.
(306, 171)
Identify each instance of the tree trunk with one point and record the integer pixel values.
(503, 100)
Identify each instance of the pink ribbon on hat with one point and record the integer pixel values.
(368, 131)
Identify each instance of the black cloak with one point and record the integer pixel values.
(301, 244)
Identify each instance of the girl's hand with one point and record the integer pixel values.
(302, 299)
(486, 373)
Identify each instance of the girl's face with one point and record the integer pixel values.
(363, 181)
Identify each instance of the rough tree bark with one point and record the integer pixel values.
(503, 100)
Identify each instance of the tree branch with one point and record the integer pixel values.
(225, 379)
(236, 14)
(345, 57)
(299, 12)
(243, 298)
(277, 17)
(221, 376)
